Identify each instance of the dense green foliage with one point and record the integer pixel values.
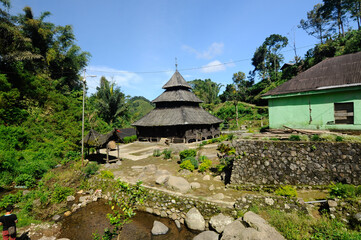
(295, 226)
(187, 153)
(340, 190)
(286, 191)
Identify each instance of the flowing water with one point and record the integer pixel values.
(92, 218)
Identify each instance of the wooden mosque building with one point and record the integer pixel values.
(177, 116)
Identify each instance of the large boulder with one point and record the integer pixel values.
(207, 235)
(194, 220)
(219, 222)
(233, 231)
(178, 184)
(259, 224)
(159, 228)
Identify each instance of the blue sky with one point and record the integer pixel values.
(135, 43)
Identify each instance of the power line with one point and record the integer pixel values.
(191, 68)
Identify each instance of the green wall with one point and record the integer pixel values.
(293, 110)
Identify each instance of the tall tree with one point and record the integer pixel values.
(267, 57)
(315, 25)
(206, 90)
(335, 10)
(354, 8)
(110, 103)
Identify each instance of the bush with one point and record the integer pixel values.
(294, 138)
(205, 165)
(10, 199)
(193, 160)
(25, 180)
(156, 153)
(315, 137)
(60, 193)
(187, 153)
(339, 139)
(264, 129)
(202, 158)
(130, 139)
(91, 169)
(286, 191)
(340, 190)
(187, 165)
(107, 174)
(167, 153)
(226, 149)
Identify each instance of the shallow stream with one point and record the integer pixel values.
(92, 218)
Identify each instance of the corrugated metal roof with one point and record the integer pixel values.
(176, 80)
(330, 73)
(179, 95)
(177, 116)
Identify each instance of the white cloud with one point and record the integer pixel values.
(214, 66)
(121, 78)
(214, 50)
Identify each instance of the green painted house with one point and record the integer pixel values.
(326, 96)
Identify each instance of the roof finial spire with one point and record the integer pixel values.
(176, 64)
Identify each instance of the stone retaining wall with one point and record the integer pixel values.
(297, 163)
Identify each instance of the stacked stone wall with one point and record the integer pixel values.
(297, 163)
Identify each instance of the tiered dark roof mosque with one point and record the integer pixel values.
(178, 106)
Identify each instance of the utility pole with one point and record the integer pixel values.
(82, 122)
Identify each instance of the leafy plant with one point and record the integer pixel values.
(156, 153)
(205, 165)
(339, 139)
(193, 160)
(294, 138)
(167, 153)
(107, 174)
(340, 190)
(91, 169)
(124, 203)
(315, 137)
(186, 164)
(286, 191)
(130, 139)
(187, 153)
(25, 180)
(60, 193)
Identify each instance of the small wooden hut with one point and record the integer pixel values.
(177, 116)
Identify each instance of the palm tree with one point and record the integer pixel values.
(110, 102)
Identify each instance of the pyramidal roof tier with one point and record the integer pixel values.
(179, 95)
(176, 81)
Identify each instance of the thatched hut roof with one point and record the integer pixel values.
(336, 72)
(177, 96)
(177, 116)
(176, 80)
(93, 138)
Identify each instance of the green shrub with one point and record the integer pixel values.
(130, 139)
(91, 169)
(10, 199)
(286, 191)
(6, 178)
(167, 153)
(205, 165)
(226, 149)
(202, 158)
(60, 193)
(156, 153)
(315, 137)
(264, 129)
(187, 165)
(340, 190)
(294, 138)
(187, 153)
(107, 174)
(339, 139)
(25, 180)
(220, 167)
(193, 160)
